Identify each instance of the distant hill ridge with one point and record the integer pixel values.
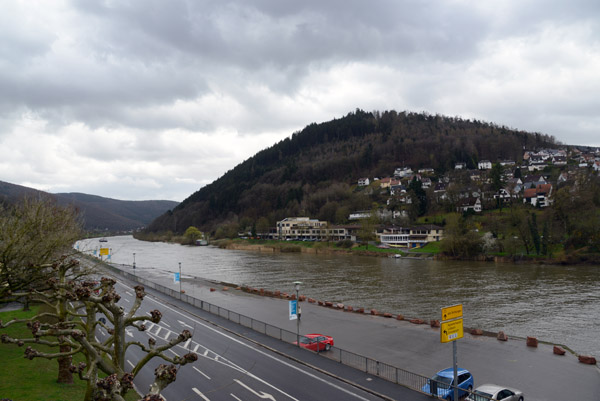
(311, 172)
(99, 214)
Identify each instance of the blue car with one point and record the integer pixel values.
(441, 384)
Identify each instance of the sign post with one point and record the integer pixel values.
(451, 330)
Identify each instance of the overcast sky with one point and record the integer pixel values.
(154, 99)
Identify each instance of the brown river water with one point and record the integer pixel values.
(559, 304)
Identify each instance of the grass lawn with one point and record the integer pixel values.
(25, 380)
(430, 247)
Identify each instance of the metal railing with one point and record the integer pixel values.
(374, 367)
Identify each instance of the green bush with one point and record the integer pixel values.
(345, 244)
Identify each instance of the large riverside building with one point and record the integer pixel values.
(306, 229)
(413, 237)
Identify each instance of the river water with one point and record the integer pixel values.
(560, 304)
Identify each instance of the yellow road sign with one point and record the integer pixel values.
(103, 251)
(452, 312)
(451, 331)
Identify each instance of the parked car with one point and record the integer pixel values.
(441, 384)
(494, 392)
(316, 342)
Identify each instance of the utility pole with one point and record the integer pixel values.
(297, 285)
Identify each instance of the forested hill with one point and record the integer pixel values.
(100, 215)
(311, 172)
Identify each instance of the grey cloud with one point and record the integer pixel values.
(154, 71)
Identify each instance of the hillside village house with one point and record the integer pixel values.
(403, 172)
(469, 204)
(538, 196)
(532, 181)
(363, 182)
(484, 165)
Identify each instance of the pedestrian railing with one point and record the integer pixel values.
(371, 366)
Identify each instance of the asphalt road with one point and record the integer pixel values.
(231, 367)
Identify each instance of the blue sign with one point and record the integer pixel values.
(176, 278)
(293, 310)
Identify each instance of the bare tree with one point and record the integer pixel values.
(77, 305)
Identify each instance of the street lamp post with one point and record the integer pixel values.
(134, 263)
(179, 277)
(297, 285)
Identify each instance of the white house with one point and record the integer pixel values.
(538, 196)
(363, 182)
(484, 165)
(473, 204)
(403, 172)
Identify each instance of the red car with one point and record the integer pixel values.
(316, 342)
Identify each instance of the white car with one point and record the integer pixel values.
(487, 392)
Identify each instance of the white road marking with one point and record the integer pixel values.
(126, 300)
(129, 362)
(184, 324)
(238, 399)
(196, 347)
(187, 343)
(173, 352)
(201, 372)
(158, 331)
(128, 293)
(200, 394)
(262, 395)
(166, 324)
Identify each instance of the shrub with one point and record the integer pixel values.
(345, 244)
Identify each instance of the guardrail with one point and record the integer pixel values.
(383, 370)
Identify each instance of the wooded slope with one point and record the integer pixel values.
(312, 172)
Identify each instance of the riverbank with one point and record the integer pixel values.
(430, 251)
(315, 248)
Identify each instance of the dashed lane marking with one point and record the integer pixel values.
(200, 394)
(201, 372)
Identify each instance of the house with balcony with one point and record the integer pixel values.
(538, 196)
(410, 237)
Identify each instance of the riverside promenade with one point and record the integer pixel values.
(538, 372)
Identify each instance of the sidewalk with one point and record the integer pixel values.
(540, 374)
